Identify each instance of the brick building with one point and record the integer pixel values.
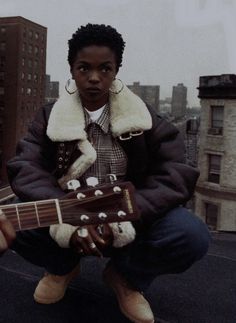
(216, 188)
(148, 93)
(51, 90)
(22, 80)
(179, 101)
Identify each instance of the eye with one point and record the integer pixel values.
(106, 69)
(82, 68)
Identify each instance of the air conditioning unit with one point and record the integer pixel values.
(215, 131)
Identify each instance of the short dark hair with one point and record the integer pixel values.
(94, 34)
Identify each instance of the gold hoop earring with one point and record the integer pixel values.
(67, 86)
(114, 88)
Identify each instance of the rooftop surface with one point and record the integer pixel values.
(206, 293)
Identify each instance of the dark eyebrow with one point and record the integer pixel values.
(81, 62)
(107, 62)
(88, 63)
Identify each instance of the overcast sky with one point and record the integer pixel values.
(167, 41)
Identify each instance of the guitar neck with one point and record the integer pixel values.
(30, 215)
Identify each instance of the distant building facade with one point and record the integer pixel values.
(192, 139)
(148, 93)
(216, 187)
(165, 105)
(22, 80)
(179, 101)
(51, 90)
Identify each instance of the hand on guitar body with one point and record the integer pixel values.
(92, 239)
(7, 233)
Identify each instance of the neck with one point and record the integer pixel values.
(94, 105)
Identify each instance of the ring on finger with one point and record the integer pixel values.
(82, 232)
(92, 245)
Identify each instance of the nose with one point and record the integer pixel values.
(94, 77)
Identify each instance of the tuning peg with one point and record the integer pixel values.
(116, 189)
(102, 215)
(80, 196)
(73, 184)
(92, 181)
(112, 178)
(121, 214)
(98, 192)
(84, 218)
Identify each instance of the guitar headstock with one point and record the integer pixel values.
(111, 202)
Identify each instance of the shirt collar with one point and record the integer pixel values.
(103, 121)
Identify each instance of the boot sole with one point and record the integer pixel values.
(47, 301)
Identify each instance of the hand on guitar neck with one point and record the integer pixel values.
(7, 233)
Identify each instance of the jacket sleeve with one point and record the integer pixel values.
(171, 180)
(30, 171)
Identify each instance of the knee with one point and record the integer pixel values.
(194, 234)
(183, 233)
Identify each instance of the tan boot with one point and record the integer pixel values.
(52, 288)
(132, 303)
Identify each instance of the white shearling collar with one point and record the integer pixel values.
(127, 113)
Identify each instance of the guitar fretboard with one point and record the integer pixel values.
(31, 215)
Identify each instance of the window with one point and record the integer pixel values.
(35, 78)
(36, 63)
(2, 90)
(30, 34)
(2, 76)
(29, 77)
(29, 91)
(211, 212)
(22, 75)
(1, 158)
(30, 49)
(30, 63)
(23, 62)
(214, 168)
(23, 47)
(1, 105)
(36, 50)
(3, 30)
(3, 45)
(217, 119)
(2, 61)
(36, 35)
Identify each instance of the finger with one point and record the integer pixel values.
(3, 243)
(91, 244)
(80, 245)
(96, 236)
(94, 249)
(7, 230)
(87, 243)
(107, 232)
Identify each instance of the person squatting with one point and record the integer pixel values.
(99, 127)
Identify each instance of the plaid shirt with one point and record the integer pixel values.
(111, 158)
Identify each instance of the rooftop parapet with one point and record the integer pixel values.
(217, 87)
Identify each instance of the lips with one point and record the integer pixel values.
(93, 90)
